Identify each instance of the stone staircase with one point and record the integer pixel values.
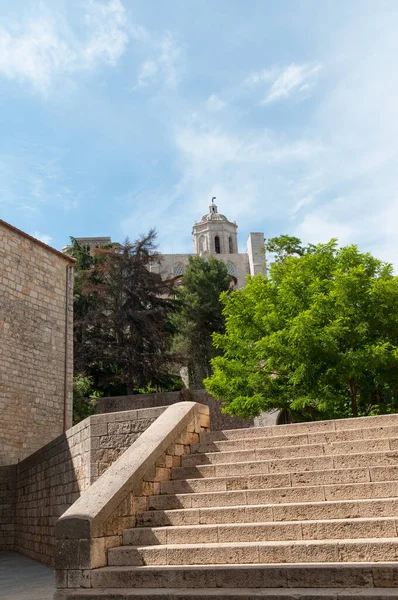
(301, 511)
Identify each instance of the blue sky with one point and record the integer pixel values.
(121, 115)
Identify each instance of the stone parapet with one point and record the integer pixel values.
(95, 522)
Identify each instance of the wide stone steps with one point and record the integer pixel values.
(236, 594)
(306, 511)
(340, 550)
(305, 451)
(316, 575)
(351, 509)
(300, 439)
(318, 493)
(272, 480)
(363, 423)
(383, 527)
(283, 465)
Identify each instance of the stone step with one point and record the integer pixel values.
(247, 465)
(352, 509)
(306, 451)
(331, 529)
(300, 428)
(231, 594)
(319, 493)
(299, 439)
(273, 480)
(238, 553)
(341, 575)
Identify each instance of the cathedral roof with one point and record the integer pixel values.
(213, 214)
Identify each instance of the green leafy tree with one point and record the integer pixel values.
(123, 332)
(200, 314)
(318, 337)
(83, 402)
(84, 259)
(283, 246)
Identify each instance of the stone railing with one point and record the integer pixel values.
(95, 522)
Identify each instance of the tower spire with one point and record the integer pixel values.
(213, 207)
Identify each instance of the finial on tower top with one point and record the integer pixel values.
(213, 207)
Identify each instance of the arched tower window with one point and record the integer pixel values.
(202, 244)
(217, 245)
(231, 268)
(231, 245)
(179, 269)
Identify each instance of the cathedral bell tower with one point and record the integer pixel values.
(214, 234)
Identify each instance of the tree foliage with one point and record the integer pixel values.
(83, 403)
(200, 314)
(318, 336)
(122, 328)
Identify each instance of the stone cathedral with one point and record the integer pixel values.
(214, 235)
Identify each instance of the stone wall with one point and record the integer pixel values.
(44, 485)
(7, 506)
(218, 419)
(35, 344)
(95, 523)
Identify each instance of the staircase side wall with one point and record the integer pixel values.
(37, 491)
(8, 477)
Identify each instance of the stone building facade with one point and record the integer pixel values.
(36, 335)
(213, 235)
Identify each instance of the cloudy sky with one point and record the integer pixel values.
(121, 115)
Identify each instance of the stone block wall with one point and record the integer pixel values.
(218, 419)
(113, 433)
(37, 491)
(8, 477)
(95, 523)
(35, 344)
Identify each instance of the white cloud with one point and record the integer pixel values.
(164, 66)
(264, 76)
(316, 228)
(282, 83)
(208, 146)
(245, 172)
(42, 46)
(42, 237)
(148, 73)
(357, 123)
(214, 103)
(107, 23)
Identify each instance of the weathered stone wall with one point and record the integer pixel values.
(95, 523)
(50, 480)
(112, 434)
(218, 419)
(7, 506)
(35, 344)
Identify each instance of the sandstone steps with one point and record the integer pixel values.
(238, 594)
(350, 509)
(305, 511)
(281, 576)
(382, 527)
(334, 550)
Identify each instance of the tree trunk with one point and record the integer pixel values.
(353, 392)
